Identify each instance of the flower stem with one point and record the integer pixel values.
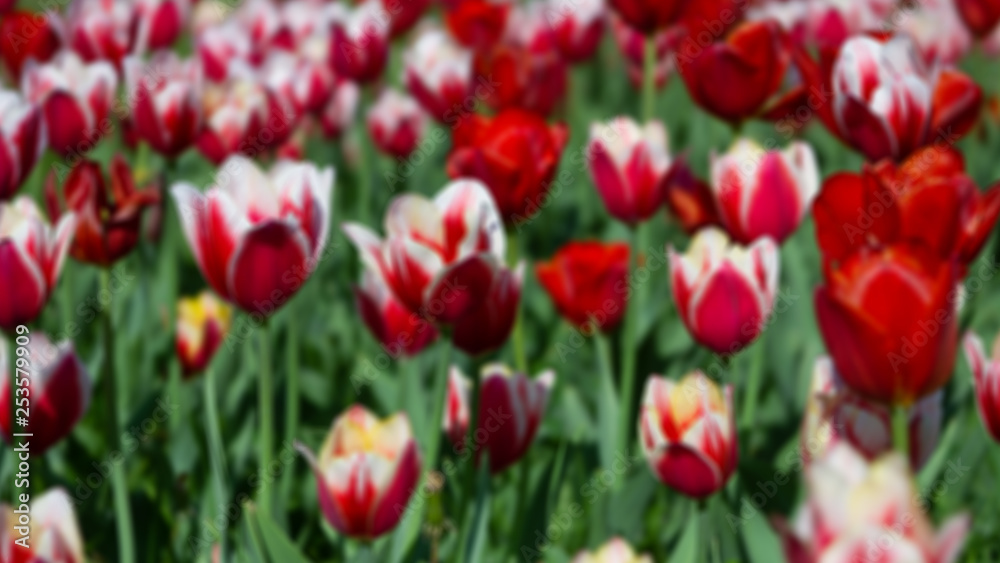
(265, 395)
(756, 377)
(520, 356)
(607, 406)
(366, 152)
(649, 79)
(440, 392)
(216, 452)
(901, 430)
(291, 395)
(630, 345)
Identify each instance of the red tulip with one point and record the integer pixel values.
(650, 16)
(360, 41)
(751, 62)
(109, 215)
(578, 26)
(888, 317)
(168, 101)
(7, 6)
(338, 115)
(764, 193)
(628, 164)
(587, 281)
(980, 16)
(397, 123)
(399, 330)
(54, 535)
(928, 199)
(986, 371)
(438, 73)
(22, 140)
(688, 433)
(511, 408)
(724, 292)
(834, 414)
(477, 24)
(202, 324)
(31, 257)
(59, 388)
(515, 154)
(158, 23)
(487, 325)
(257, 237)
(366, 472)
(76, 99)
(236, 115)
(689, 199)
(28, 35)
(404, 14)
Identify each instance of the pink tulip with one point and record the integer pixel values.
(438, 73)
(397, 123)
(628, 164)
(54, 536)
(22, 140)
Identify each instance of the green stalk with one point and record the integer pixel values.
(649, 79)
(119, 482)
(630, 345)
(291, 396)
(901, 430)
(754, 381)
(367, 153)
(520, 356)
(607, 407)
(438, 398)
(216, 452)
(265, 396)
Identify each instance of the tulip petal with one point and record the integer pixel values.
(25, 293)
(267, 266)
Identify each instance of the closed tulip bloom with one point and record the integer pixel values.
(22, 140)
(834, 413)
(688, 433)
(338, 114)
(29, 36)
(366, 471)
(986, 374)
(511, 408)
(477, 24)
(689, 198)
(888, 318)
(100, 30)
(75, 97)
(438, 73)
(220, 45)
(764, 193)
(866, 511)
(724, 292)
(398, 329)
(60, 391)
(234, 115)
(31, 257)
(487, 325)
(980, 16)
(109, 214)
(360, 41)
(616, 550)
(54, 533)
(202, 324)
(515, 154)
(168, 101)
(256, 236)
(650, 16)
(578, 26)
(587, 281)
(158, 23)
(397, 123)
(628, 164)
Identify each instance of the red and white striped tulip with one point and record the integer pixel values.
(60, 392)
(616, 550)
(202, 324)
(688, 433)
(219, 46)
(54, 535)
(100, 30)
(158, 23)
(986, 372)
(76, 98)
(339, 112)
(396, 123)
(511, 408)
(578, 26)
(628, 164)
(32, 254)
(438, 73)
(764, 192)
(399, 330)
(234, 114)
(366, 470)
(360, 40)
(256, 236)
(22, 140)
(168, 101)
(723, 291)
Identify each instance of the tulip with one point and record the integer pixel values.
(109, 215)
(202, 324)
(858, 510)
(31, 257)
(578, 26)
(587, 281)
(100, 30)
(980, 16)
(628, 164)
(764, 193)
(7, 6)
(256, 236)
(168, 97)
(438, 73)
(54, 535)
(689, 199)
(632, 44)
(75, 97)
(649, 16)
(60, 392)
(235, 114)
(511, 408)
(340, 110)
(397, 328)
(986, 372)
(310, 71)
(404, 14)
(220, 45)
(724, 292)
(366, 472)
(515, 154)
(22, 140)
(158, 23)
(836, 414)
(751, 61)
(27, 36)
(477, 24)
(928, 198)
(688, 433)
(396, 123)
(937, 31)
(360, 41)
(616, 550)
(888, 317)
(487, 325)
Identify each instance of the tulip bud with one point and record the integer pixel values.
(54, 534)
(688, 433)
(396, 123)
(159, 23)
(616, 550)
(59, 388)
(168, 101)
(689, 198)
(202, 324)
(628, 165)
(980, 16)
(366, 472)
(578, 26)
(986, 372)
(100, 30)
(511, 408)
(22, 140)
(360, 41)
(587, 281)
(724, 292)
(438, 73)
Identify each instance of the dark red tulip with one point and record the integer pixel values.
(6, 6)
(889, 319)
(487, 326)
(478, 24)
(27, 35)
(109, 215)
(688, 198)
(515, 154)
(750, 62)
(650, 16)
(587, 282)
(404, 14)
(980, 16)
(516, 77)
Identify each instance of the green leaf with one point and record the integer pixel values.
(278, 545)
